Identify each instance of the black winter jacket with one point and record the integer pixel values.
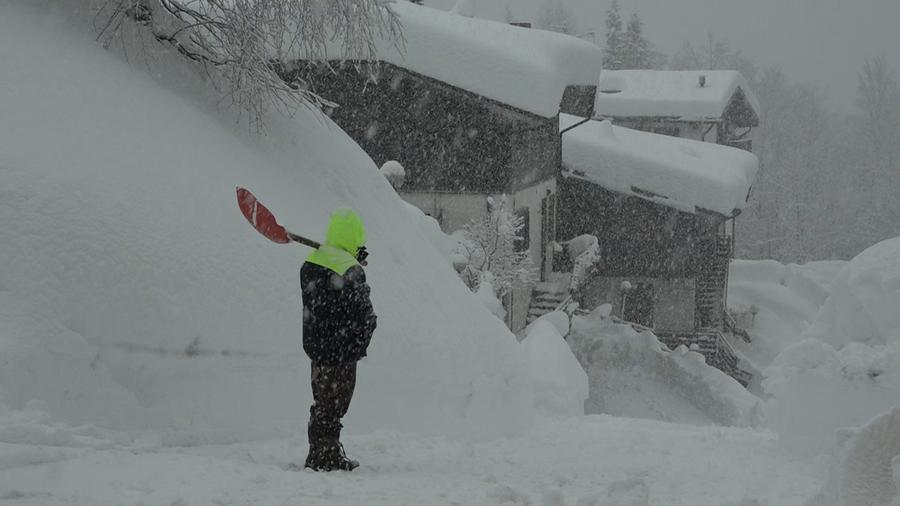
(338, 318)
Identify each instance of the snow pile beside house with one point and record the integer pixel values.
(680, 173)
(560, 383)
(632, 374)
(817, 389)
(488, 58)
(776, 303)
(864, 300)
(140, 298)
(865, 469)
(847, 368)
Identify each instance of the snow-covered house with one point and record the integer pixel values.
(663, 211)
(470, 108)
(708, 105)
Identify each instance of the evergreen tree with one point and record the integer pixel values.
(636, 51)
(627, 48)
(613, 52)
(556, 17)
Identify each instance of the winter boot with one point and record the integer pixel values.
(341, 461)
(329, 456)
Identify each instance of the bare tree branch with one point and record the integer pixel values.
(243, 43)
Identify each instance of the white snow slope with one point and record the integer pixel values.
(134, 295)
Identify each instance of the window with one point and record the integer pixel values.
(524, 241)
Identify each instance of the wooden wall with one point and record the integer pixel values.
(637, 237)
(447, 139)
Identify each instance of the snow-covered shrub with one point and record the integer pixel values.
(584, 252)
(394, 172)
(560, 383)
(865, 469)
(492, 244)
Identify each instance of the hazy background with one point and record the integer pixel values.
(819, 41)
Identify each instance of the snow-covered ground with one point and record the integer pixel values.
(589, 461)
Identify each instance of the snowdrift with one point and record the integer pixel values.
(632, 374)
(846, 368)
(865, 470)
(776, 303)
(863, 300)
(135, 295)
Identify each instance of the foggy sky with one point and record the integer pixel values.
(817, 41)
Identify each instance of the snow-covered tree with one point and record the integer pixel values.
(493, 244)
(556, 17)
(878, 99)
(241, 43)
(628, 48)
(613, 52)
(636, 51)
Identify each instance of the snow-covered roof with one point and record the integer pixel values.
(526, 68)
(680, 173)
(670, 93)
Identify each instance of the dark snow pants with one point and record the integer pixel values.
(332, 389)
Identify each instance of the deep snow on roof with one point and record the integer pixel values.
(526, 68)
(680, 173)
(669, 93)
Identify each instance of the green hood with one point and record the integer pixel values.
(346, 234)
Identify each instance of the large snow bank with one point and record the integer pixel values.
(776, 303)
(815, 390)
(847, 367)
(560, 383)
(864, 299)
(136, 296)
(527, 69)
(865, 470)
(674, 172)
(632, 374)
(669, 93)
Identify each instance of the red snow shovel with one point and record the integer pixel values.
(264, 221)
